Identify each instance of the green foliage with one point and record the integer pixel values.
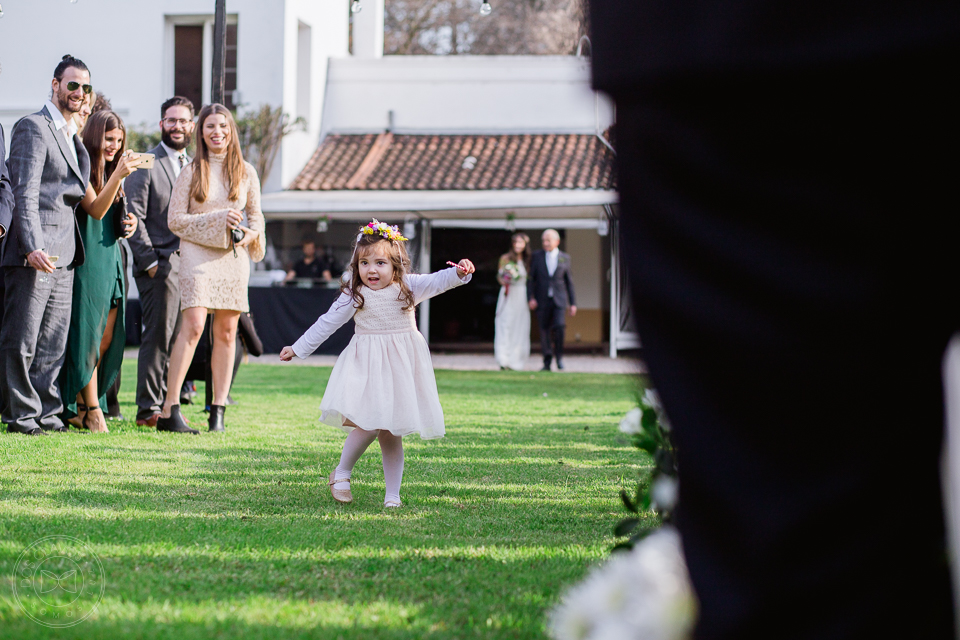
(141, 138)
(236, 536)
(651, 433)
(261, 131)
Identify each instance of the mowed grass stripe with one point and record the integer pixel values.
(235, 535)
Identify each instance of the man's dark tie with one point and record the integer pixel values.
(183, 160)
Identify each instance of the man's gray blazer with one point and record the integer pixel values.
(540, 283)
(148, 197)
(48, 184)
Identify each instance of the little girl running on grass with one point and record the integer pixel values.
(383, 386)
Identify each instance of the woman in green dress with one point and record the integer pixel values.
(97, 337)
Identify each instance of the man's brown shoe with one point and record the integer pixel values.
(148, 422)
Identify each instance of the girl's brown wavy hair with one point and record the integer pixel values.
(395, 250)
(233, 169)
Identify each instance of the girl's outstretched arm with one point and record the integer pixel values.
(433, 284)
(340, 311)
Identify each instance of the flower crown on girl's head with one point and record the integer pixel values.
(391, 233)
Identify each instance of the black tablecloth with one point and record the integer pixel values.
(282, 314)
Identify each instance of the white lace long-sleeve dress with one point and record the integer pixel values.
(211, 276)
(384, 378)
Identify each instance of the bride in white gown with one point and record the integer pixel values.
(511, 342)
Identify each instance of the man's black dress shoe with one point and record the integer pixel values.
(545, 367)
(175, 423)
(559, 363)
(216, 417)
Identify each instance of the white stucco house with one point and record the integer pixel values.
(141, 53)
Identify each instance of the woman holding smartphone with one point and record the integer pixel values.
(96, 337)
(206, 211)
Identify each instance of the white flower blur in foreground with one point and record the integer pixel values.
(652, 398)
(664, 494)
(631, 421)
(643, 594)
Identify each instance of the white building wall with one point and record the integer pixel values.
(464, 94)
(128, 46)
(368, 30)
(329, 23)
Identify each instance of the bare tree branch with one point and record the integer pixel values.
(450, 27)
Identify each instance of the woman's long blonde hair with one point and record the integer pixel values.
(233, 168)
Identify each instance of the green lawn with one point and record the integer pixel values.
(236, 535)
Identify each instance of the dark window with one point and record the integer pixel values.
(230, 62)
(188, 63)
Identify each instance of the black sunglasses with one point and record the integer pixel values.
(73, 86)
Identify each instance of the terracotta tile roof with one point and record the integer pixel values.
(385, 162)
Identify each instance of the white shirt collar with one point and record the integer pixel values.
(173, 153)
(553, 253)
(58, 120)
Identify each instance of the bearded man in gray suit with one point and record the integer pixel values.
(50, 171)
(156, 263)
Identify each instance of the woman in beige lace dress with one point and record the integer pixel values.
(208, 203)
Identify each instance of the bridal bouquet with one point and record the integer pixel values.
(510, 272)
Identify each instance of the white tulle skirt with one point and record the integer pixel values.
(385, 381)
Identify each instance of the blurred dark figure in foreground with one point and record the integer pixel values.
(791, 242)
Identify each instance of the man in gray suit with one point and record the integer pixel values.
(50, 170)
(550, 294)
(156, 263)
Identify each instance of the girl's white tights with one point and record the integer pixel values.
(391, 447)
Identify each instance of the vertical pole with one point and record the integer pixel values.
(614, 236)
(425, 233)
(219, 49)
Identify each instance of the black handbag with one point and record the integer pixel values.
(248, 333)
(118, 229)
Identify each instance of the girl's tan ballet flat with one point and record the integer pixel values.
(340, 495)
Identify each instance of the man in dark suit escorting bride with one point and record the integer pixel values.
(550, 293)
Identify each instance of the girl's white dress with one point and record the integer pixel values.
(384, 378)
(511, 336)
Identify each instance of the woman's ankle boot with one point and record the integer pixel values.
(175, 423)
(216, 417)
